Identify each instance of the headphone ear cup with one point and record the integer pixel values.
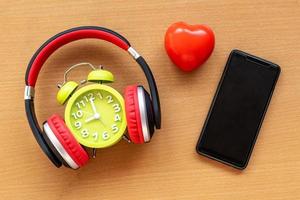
(139, 113)
(133, 115)
(64, 142)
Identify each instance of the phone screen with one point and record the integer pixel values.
(238, 109)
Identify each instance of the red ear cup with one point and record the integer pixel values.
(64, 142)
(137, 108)
(133, 115)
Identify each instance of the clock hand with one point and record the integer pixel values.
(95, 116)
(90, 119)
(93, 106)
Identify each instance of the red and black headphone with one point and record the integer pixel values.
(61, 147)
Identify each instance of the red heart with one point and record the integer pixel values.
(189, 46)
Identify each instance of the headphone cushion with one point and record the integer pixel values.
(134, 124)
(67, 140)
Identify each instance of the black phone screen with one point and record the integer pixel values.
(238, 109)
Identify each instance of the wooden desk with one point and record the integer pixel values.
(168, 167)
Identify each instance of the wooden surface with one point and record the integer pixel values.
(168, 167)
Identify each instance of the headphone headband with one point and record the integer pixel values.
(61, 39)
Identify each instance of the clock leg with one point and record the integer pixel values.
(94, 153)
(125, 137)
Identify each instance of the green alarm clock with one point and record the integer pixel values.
(94, 113)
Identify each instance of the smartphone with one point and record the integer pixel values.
(238, 109)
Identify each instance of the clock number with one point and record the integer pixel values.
(100, 95)
(78, 114)
(105, 135)
(114, 128)
(109, 99)
(80, 102)
(116, 107)
(74, 115)
(85, 98)
(95, 136)
(117, 118)
(77, 124)
(85, 133)
(91, 96)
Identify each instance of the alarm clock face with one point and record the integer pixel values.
(95, 115)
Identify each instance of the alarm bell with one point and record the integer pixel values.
(100, 76)
(68, 87)
(66, 91)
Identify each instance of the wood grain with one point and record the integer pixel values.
(168, 167)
